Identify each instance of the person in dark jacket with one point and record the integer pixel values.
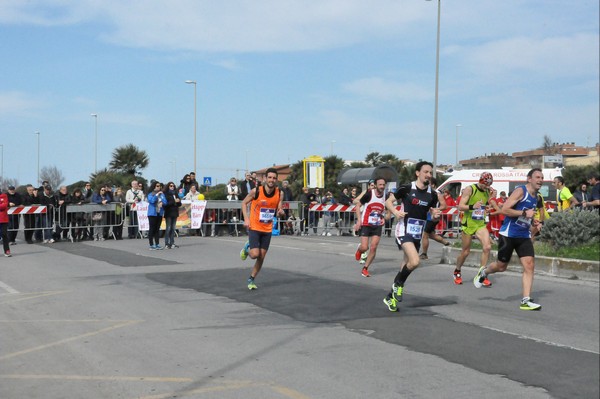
(62, 199)
(29, 199)
(46, 198)
(14, 199)
(171, 214)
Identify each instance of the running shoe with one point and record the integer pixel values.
(363, 258)
(424, 256)
(251, 285)
(358, 254)
(152, 248)
(7, 254)
(397, 292)
(244, 251)
(486, 282)
(391, 304)
(457, 278)
(478, 280)
(158, 247)
(528, 304)
(365, 272)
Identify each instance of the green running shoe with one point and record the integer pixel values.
(528, 304)
(397, 292)
(251, 285)
(478, 279)
(391, 304)
(244, 251)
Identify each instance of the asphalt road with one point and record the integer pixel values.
(114, 320)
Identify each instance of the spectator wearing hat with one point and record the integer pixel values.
(14, 199)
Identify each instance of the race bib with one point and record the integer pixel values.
(414, 227)
(374, 219)
(478, 214)
(266, 215)
(523, 222)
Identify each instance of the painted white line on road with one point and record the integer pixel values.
(521, 336)
(8, 288)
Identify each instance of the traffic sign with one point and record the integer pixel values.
(208, 181)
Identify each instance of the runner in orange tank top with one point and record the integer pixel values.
(265, 203)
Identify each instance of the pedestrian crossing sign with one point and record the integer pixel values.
(208, 181)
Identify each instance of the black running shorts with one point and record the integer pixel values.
(259, 239)
(506, 246)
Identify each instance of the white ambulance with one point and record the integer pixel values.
(505, 179)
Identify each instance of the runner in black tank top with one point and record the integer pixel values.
(416, 200)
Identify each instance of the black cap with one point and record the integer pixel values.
(11, 187)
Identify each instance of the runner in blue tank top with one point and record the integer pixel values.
(515, 234)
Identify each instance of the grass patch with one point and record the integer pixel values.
(589, 251)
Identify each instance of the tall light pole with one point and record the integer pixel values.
(332, 143)
(95, 116)
(437, 78)
(457, 126)
(38, 157)
(193, 82)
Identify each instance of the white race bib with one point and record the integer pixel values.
(478, 214)
(266, 215)
(374, 219)
(414, 227)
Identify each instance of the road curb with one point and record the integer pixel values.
(572, 269)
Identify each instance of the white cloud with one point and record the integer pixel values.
(566, 56)
(17, 103)
(386, 90)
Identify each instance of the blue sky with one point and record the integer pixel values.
(278, 81)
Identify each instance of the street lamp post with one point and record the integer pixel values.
(437, 76)
(457, 126)
(193, 82)
(332, 143)
(95, 116)
(38, 157)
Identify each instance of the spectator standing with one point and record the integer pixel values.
(194, 195)
(4, 223)
(193, 180)
(99, 218)
(47, 199)
(247, 185)
(171, 206)
(344, 226)
(304, 198)
(231, 217)
(594, 199)
(62, 199)
(564, 198)
(328, 216)
(185, 184)
(581, 194)
(119, 198)
(156, 201)
(29, 220)
(132, 197)
(288, 196)
(14, 199)
(77, 219)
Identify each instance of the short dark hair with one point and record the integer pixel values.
(593, 175)
(272, 170)
(380, 178)
(532, 171)
(560, 179)
(420, 165)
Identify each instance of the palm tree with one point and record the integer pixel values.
(128, 159)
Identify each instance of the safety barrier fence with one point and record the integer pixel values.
(94, 221)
